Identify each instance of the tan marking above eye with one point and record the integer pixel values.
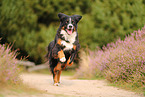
(63, 27)
(67, 21)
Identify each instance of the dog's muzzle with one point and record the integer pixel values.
(70, 28)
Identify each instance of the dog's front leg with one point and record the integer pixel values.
(61, 56)
(72, 57)
(58, 53)
(74, 52)
(55, 78)
(56, 74)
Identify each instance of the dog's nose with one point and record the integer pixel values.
(70, 26)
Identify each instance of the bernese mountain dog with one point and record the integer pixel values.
(63, 49)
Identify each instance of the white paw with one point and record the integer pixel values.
(56, 84)
(63, 43)
(63, 59)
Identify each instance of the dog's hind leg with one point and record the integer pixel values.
(58, 76)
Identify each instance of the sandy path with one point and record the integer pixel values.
(75, 87)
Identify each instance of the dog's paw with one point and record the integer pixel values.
(56, 84)
(63, 59)
(63, 43)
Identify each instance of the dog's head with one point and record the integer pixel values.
(69, 23)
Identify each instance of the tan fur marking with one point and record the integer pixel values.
(68, 62)
(61, 54)
(57, 67)
(58, 76)
(64, 65)
(62, 28)
(74, 29)
(59, 41)
(74, 47)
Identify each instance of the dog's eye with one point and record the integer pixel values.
(67, 21)
(72, 21)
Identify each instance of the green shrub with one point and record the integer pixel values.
(24, 21)
(116, 18)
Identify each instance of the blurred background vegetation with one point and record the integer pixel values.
(32, 24)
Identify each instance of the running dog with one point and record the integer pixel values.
(63, 49)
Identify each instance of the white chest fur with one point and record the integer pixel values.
(71, 38)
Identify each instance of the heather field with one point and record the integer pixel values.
(120, 62)
(9, 72)
(11, 84)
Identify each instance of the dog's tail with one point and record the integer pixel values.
(49, 49)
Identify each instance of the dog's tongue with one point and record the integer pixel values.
(69, 31)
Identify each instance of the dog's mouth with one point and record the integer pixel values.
(69, 31)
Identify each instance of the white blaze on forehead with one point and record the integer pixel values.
(70, 24)
(69, 20)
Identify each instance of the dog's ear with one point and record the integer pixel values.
(62, 16)
(77, 18)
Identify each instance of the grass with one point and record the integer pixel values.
(130, 87)
(8, 89)
(24, 90)
(1, 95)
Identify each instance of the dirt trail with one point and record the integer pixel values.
(74, 87)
